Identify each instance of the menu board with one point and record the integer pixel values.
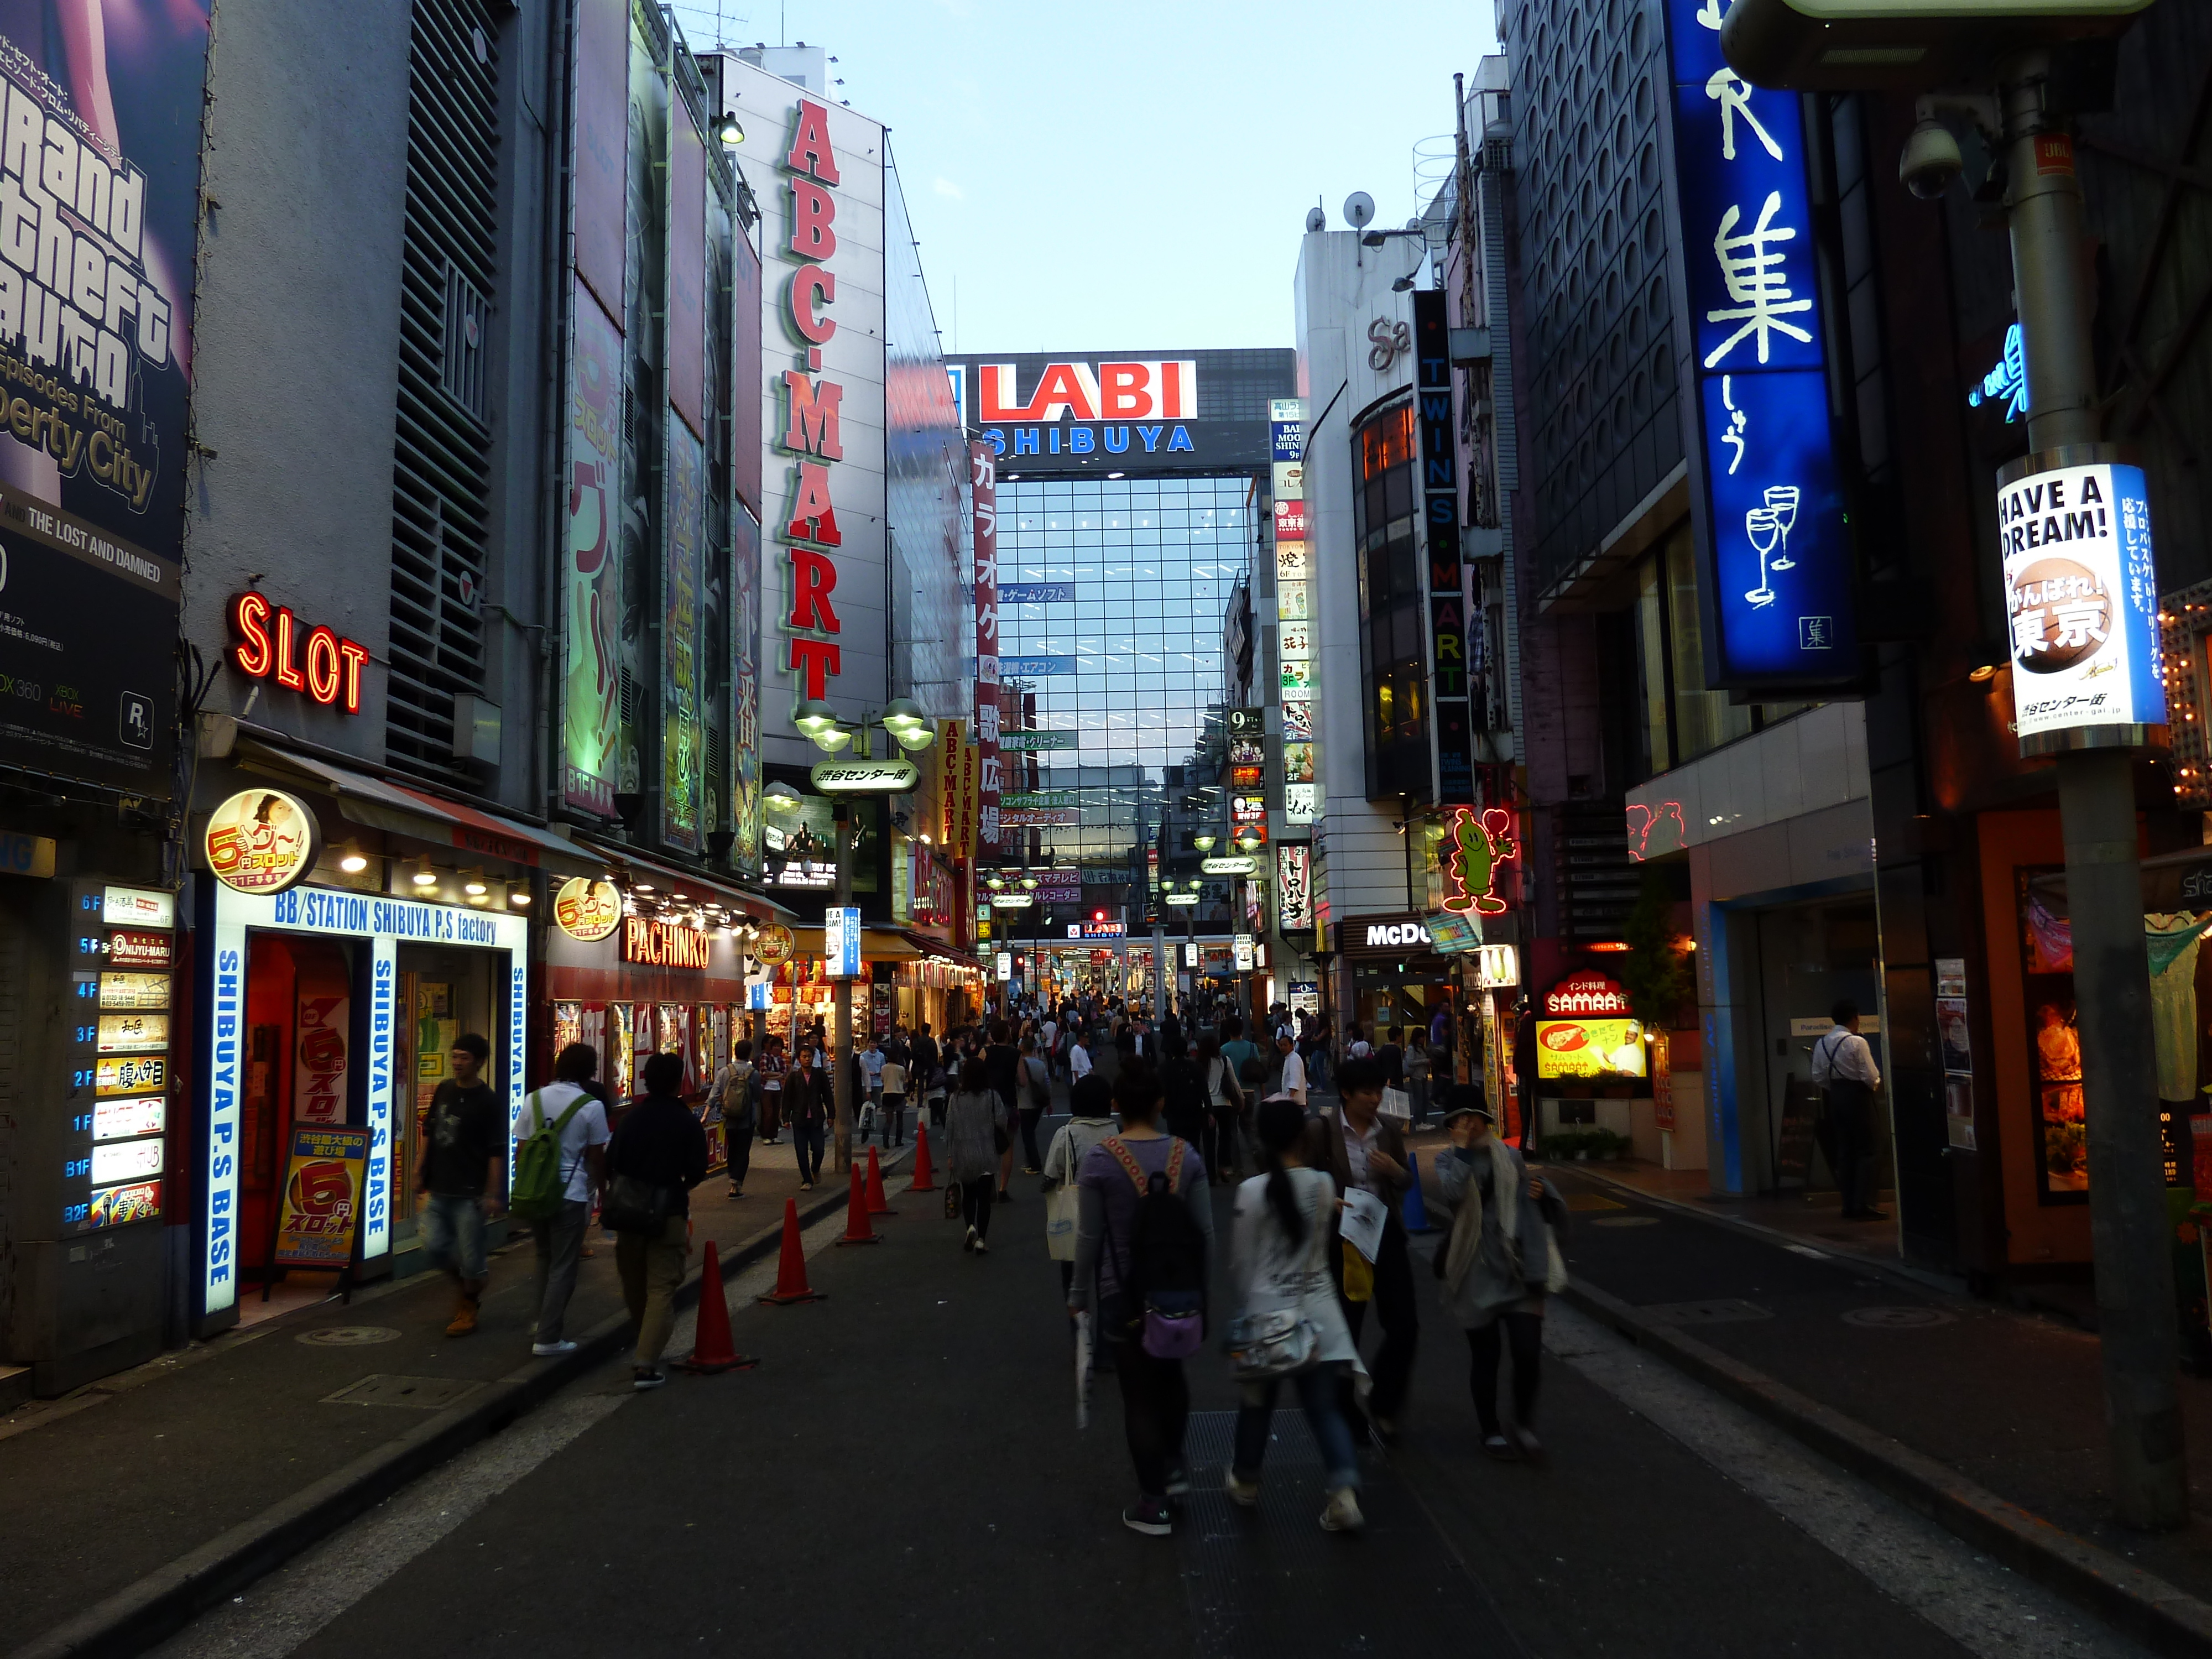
(121, 950)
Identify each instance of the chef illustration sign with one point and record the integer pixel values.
(1586, 1028)
(2081, 601)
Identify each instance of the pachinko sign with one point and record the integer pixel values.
(262, 840)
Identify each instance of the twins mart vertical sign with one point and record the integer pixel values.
(1777, 576)
(100, 139)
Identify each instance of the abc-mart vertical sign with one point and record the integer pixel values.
(2081, 601)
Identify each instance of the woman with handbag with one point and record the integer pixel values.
(1289, 1323)
(975, 1135)
(1502, 1257)
(1224, 1106)
(656, 1158)
(1091, 1120)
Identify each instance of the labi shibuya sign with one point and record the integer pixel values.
(1778, 570)
(2082, 601)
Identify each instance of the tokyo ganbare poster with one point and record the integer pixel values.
(99, 141)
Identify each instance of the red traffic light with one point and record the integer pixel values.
(1097, 916)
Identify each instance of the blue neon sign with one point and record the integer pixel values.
(1779, 567)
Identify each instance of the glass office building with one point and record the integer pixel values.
(1133, 496)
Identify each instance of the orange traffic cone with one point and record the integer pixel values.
(857, 1230)
(877, 1204)
(925, 1177)
(791, 1284)
(711, 1354)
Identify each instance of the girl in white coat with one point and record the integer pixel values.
(1286, 1221)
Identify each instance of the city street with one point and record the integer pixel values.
(903, 1472)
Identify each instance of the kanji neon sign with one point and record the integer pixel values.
(1479, 843)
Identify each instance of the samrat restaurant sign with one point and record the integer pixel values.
(1587, 1029)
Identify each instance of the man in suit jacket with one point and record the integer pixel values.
(1361, 1148)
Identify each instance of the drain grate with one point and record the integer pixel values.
(1712, 1310)
(1898, 1319)
(348, 1336)
(421, 1394)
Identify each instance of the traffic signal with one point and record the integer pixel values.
(1097, 916)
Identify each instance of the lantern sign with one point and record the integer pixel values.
(262, 840)
(774, 945)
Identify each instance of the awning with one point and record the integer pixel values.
(396, 810)
(671, 878)
(877, 944)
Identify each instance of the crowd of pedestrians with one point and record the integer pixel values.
(1158, 1117)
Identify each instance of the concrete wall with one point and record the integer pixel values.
(295, 347)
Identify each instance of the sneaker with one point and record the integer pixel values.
(1151, 1516)
(642, 1381)
(981, 1248)
(1243, 1492)
(1179, 1481)
(547, 1350)
(805, 1186)
(1531, 1448)
(464, 1318)
(1031, 1168)
(1342, 1513)
(969, 1243)
(1499, 1447)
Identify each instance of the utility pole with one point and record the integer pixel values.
(841, 1058)
(2137, 1320)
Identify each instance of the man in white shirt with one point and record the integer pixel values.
(1078, 1061)
(1046, 1034)
(1843, 1065)
(583, 1165)
(1294, 1069)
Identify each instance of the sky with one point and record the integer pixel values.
(1096, 177)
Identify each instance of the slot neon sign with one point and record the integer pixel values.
(273, 644)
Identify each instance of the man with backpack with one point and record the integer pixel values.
(561, 1136)
(737, 1088)
(1144, 1233)
(1243, 1057)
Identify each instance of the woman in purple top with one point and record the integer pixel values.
(1155, 1397)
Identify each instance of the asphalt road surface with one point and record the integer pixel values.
(903, 1473)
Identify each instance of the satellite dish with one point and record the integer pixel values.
(1316, 219)
(1358, 209)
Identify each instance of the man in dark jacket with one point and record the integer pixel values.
(659, 1146)
(1361, 1148)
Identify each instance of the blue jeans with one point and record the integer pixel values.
(807, 1140)
(1316, 1386)
(453, 1234)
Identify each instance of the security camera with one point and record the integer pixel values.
(1932, 160)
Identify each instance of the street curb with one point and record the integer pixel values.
(2140, 1604)
(141, 1614)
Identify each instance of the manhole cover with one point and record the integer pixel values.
(348, 1336)
(1898, 1319)
(1712, 1311)
(421, 1394)
(1625, 1221)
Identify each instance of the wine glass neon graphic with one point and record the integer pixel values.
(1761, 525)
(1782, 501)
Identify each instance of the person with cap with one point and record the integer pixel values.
(1499, 1260)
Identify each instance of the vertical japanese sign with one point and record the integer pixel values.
(599, 146)
(745, 806)
(322, 1197)
(1294, 612)
(1446, 580)
(1293, 886)
(984, 476)
(1778, 564)
(98, 194)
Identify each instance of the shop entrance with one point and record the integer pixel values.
(1812, 957)
(299, 1033)
(446, 993)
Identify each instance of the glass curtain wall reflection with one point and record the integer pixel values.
(1123, 676)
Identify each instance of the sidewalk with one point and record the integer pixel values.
(131, 1474)
(1948, 1387)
